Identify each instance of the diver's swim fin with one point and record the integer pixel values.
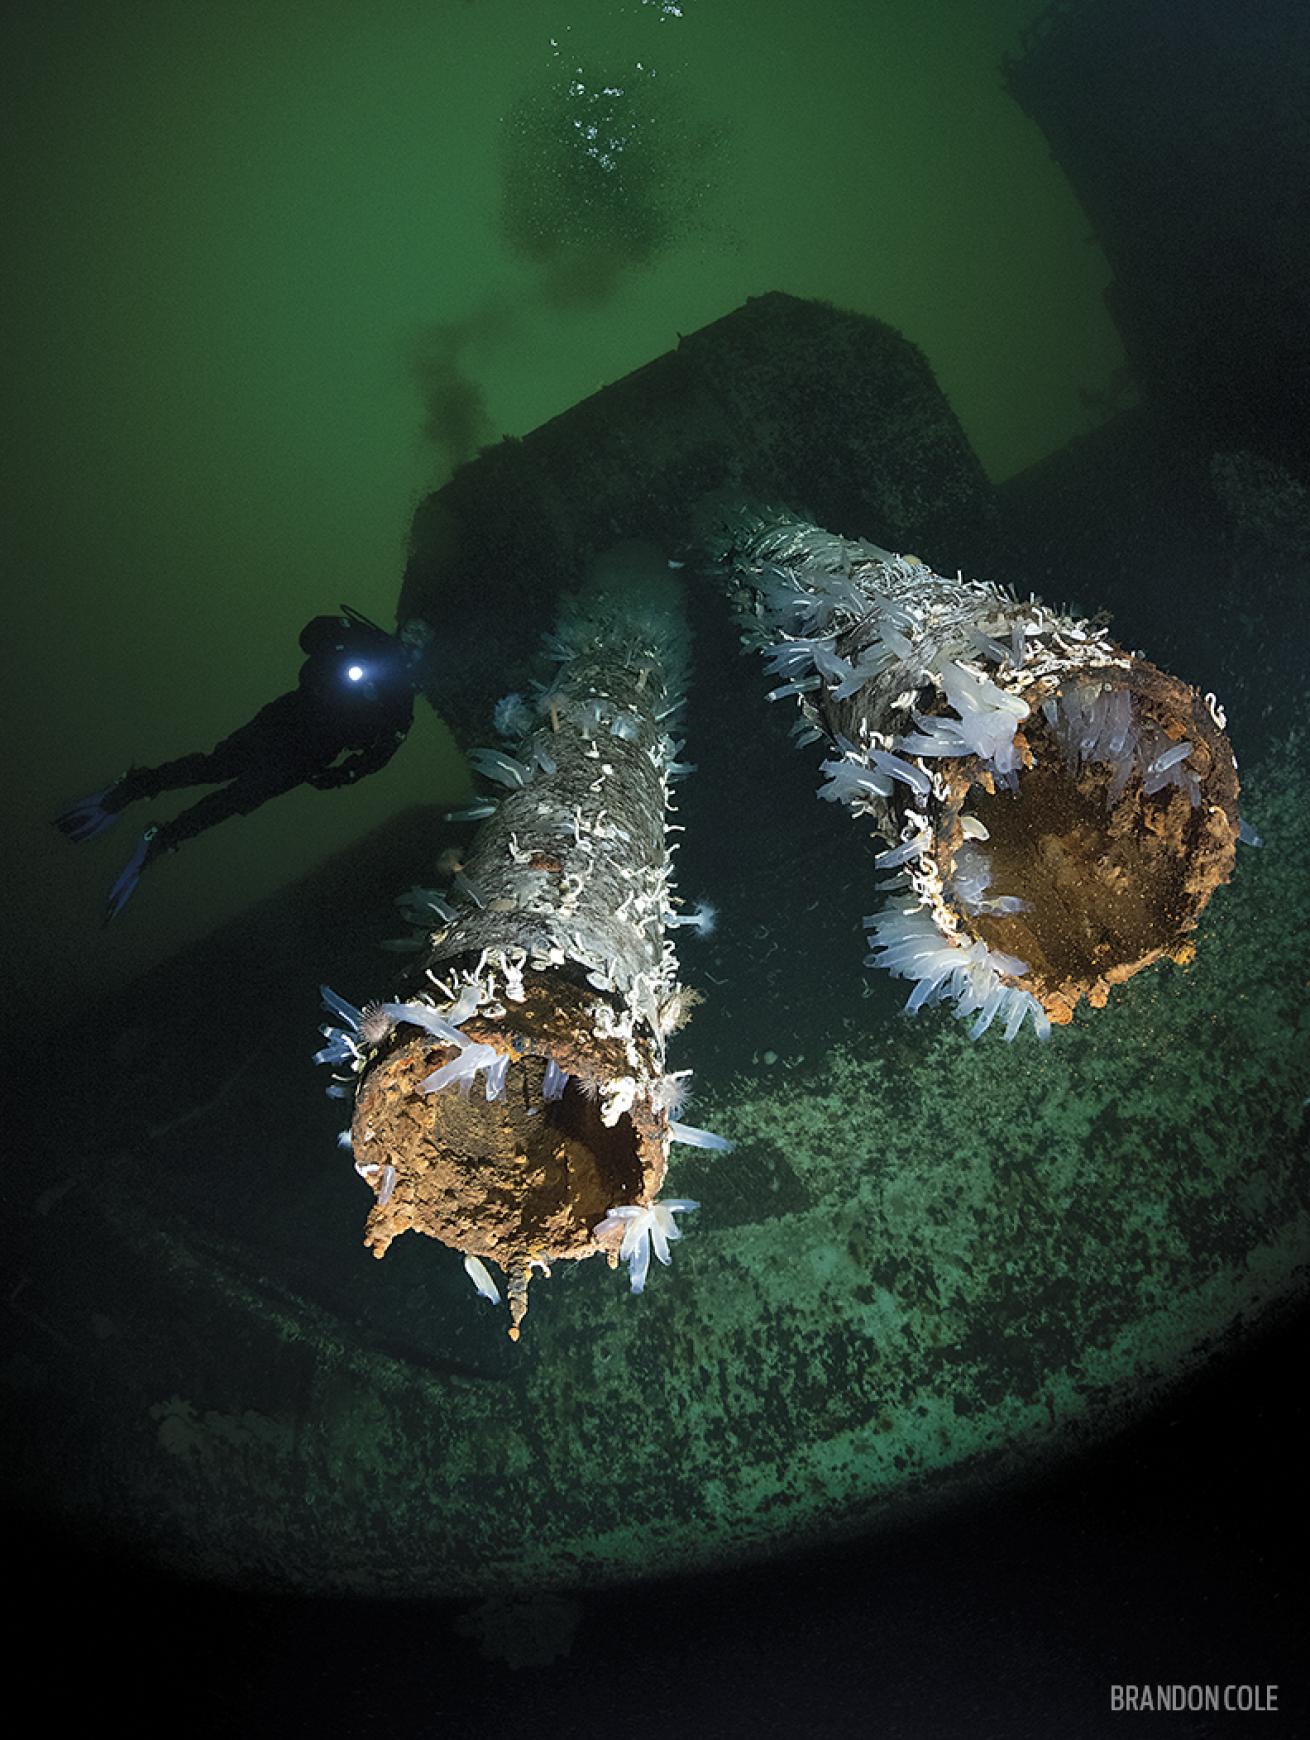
(89, 816)
(125, 887)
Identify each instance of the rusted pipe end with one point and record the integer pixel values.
(521, 1180)
(1111, 877)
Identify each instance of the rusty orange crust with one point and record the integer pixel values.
(1110, 888)
(518, 1181)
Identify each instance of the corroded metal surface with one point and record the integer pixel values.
(556, 963)
(1111, 885)
(957, 713)
(519, 1181)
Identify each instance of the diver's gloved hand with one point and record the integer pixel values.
(123, 889)
(89, 816)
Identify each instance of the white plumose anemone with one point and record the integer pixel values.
(645, 1225)
(905, 942)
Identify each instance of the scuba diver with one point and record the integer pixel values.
(354, 698)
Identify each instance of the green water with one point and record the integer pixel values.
(274, 269)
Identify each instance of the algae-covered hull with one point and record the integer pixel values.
(928, 1265)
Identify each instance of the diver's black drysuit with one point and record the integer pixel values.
(296, 739)
(354, 698)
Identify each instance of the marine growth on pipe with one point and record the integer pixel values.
(513, 1101)
(1056, 810)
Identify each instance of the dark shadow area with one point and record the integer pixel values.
(1175, 1555)
(1183, 130)
(1191, 560)
(197, 1105)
